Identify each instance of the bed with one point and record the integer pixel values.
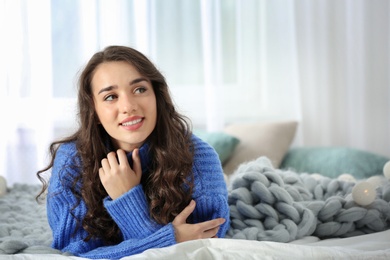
(286, 203)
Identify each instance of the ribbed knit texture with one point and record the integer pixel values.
(130, 211)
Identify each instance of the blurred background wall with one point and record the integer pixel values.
(324, 63)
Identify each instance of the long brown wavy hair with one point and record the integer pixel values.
(169, 186)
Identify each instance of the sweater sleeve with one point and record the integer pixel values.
(68, 235)
(210, 190)
(161, 238)
(131, 213)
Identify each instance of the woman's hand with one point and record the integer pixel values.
(185, 232)
(117, 176)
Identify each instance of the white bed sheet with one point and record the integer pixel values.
(371, 246)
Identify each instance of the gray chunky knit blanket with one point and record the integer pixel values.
(268, 204)
(23, 223)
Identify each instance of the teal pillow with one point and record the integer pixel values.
(224, 144)
(334, 161)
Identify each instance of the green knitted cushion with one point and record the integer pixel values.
(224, 144)
(334, 161)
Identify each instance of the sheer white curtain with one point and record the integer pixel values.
(343, 52)
(26, 79)
(324, 63)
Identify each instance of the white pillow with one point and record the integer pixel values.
(270, 139)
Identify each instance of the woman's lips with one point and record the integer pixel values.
(133, 123)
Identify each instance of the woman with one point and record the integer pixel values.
(133, 176)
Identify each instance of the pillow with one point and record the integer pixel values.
(334, 161)
(270, 139)
(223, 143)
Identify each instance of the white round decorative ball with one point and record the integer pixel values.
(386, 170)
(364, 193)
(317, 176)
(3, 186)
(376, 180)
(346, 177)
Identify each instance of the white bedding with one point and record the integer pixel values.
(371, 246)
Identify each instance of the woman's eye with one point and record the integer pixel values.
(140, 90)
(109, 98)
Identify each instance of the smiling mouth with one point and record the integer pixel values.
(129, 123)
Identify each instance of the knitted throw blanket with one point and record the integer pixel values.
(23, 223)
(268, 204)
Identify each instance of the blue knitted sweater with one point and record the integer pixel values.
(130, 211)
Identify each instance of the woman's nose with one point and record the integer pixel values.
(128, 104)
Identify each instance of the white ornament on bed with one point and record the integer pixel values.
(363, 193)
(347, 177)
(376, 180)
(386, 170)
(3, 186)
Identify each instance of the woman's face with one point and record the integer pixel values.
(125, 103)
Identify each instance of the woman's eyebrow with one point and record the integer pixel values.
(135, 81)
(138, 80)
(109, 88)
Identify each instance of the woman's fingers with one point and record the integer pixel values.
(107, 162)
(211, 224)
(122, 158)
(212, 233)
(112, 160)
(116, 174)
(181, 218)
(105, 165)
(210, 228)
(186, 232)
(137, 163)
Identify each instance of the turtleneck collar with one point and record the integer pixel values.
(143, 154)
